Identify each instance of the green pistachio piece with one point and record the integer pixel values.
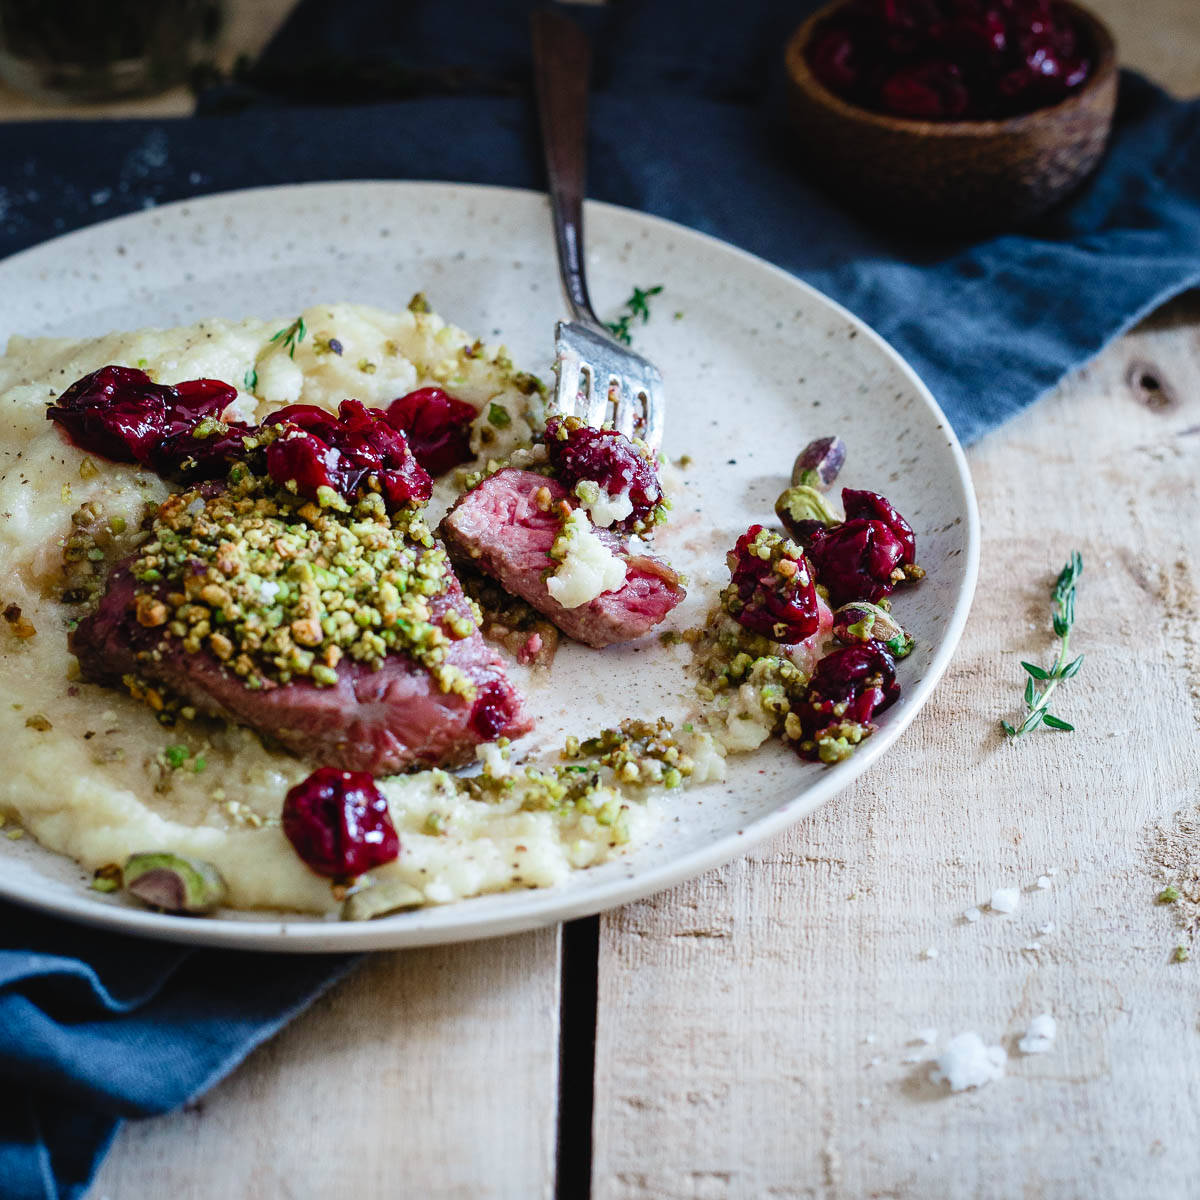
(865, 620)
(802, 508)
(381, 899)
(174, 883)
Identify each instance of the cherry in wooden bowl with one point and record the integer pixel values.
(952, 176)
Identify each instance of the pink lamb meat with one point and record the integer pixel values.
(390, 719)
(500, 528)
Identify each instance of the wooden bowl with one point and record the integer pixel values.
(952, 176)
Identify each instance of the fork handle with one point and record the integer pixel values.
(561, 59)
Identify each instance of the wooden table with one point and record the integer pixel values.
(756, 1030)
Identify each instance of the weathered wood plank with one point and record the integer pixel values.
(754, 1024)
(429, 1073)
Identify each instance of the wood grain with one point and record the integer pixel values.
(431, 1073)
(753, 1024)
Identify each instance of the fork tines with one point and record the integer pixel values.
(603, 383)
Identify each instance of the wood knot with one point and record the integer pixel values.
(1149, 387)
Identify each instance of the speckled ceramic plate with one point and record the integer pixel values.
(756, 364)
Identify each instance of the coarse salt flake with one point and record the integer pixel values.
(1043, 882)
(1005, 900)
(929, 952)
(927, 1037)
(972, 915)
(1040, 1035)
(967, 1063)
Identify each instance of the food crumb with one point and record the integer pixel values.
(967, 1063)
(1040, 1035)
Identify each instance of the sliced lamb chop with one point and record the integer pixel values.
(391, 719)
(500, 528)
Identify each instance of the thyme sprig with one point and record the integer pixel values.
(638, 305)
(288, 339)
(1038, 702)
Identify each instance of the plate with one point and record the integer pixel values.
(756, 364)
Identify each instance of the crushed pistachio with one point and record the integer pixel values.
(1169, 894)
(637, 755)
(19, 626)
(280, 588)
(108, 878)
(40, 722)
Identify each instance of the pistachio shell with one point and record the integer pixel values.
(380, 899)
(802, 510)
(173, 883)
(818, 464)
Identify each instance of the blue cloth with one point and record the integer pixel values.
(96, 1026)
(685, 124)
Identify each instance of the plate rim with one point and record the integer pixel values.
(537, 907)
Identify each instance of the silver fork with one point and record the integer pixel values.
(599, 380)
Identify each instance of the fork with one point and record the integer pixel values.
(599, 380)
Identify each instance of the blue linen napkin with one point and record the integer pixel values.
(96, 1027)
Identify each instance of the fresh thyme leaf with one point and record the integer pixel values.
(1037, 702)
(291, 337)
(638, 305)
(250, 380)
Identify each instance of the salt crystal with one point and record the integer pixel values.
(929, 952)
(1051, 870)
(967, 1063)
(927, 1037)
(1047, 928)
(1040, 1035)
(1033, 946)
(1005, 900)
(864, 1103)
(913, 1058)
(869, 1039)
(1043, 881)
(972, 915)
(875, 1061)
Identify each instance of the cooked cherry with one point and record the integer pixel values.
(437, 426)
(951, 59)
(494, 710)
(872, 506)
(771, 589)
(607, 458)
(338, 823)
(359, 446)
(847, 689)
(857, 560)
(121, 414)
